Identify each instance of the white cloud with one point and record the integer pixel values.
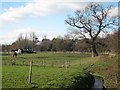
(114, 11)
(10, 37)
(37, 8)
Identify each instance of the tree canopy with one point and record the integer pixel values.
(90, 22)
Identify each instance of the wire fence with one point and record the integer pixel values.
(40, 63)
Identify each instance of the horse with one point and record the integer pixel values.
(14, 54)
(18, 51)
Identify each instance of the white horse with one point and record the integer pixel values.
(15, 52)
(18, 51)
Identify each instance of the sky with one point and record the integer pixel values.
(43, 17)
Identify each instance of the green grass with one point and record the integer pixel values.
(53, 73)
(17, 77)
(49, 59)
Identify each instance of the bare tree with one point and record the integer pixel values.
(90, 22)
(34, 40)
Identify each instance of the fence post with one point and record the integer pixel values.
(66, 64)
(69, 63)
(43, 63)
(30, 73)
(13, 62)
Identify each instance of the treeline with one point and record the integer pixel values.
(108, 43)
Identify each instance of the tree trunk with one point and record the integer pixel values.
(94, 51)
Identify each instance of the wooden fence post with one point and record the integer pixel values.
(43, 63)
(69, 63)
(13, 62)
(30, 73)
(66, 64)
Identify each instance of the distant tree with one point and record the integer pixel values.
(5, 48)
(113, 42)
(101, 44)
(27, 41)
(68, 43)
(82, 46)
(90, 22)
(45, 45)
(57, 44)
(34, 39)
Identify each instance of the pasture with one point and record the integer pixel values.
(58, 70)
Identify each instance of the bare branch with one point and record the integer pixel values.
(92, 20)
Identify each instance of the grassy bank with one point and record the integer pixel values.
(50, 70)
(107, 67)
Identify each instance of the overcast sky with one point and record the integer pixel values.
(44, 17)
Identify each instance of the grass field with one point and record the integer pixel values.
(49, 70)
(47, 58)
(17, 77)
